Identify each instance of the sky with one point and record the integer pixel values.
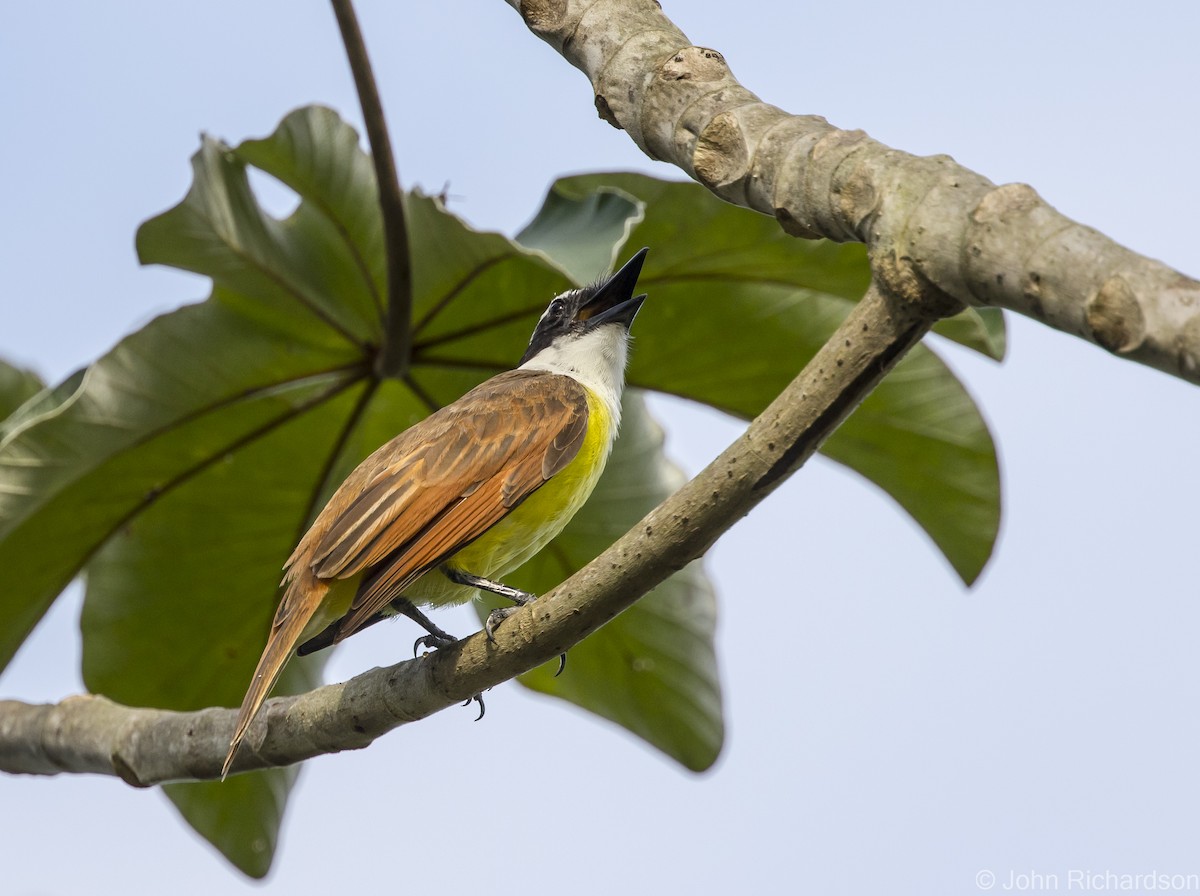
(888, 729)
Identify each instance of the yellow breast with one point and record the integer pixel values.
(534, 523)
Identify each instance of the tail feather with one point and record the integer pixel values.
(300, 601)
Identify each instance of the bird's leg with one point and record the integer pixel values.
(436, 637)
(516, 595)
(403, 607)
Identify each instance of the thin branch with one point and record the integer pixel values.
(145, 747)
(928, 223)
(396, 350)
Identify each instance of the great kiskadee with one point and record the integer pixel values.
(465, 496)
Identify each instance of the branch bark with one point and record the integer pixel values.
(147, 746)
(928, 223)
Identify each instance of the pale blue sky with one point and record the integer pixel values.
(888, 731)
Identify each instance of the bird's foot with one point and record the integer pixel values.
(478, 698)
(499, 615)
(516, 595)
(433, 641)
(495, 618)
(437, 640)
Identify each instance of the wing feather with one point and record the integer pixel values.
(473, 514)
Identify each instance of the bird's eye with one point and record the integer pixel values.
(557, 307)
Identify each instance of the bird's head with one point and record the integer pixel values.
(575, 313)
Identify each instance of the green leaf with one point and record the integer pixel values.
(981, 329)
(736, 309)
(320, 266)
(219, 810)
(582, 234)
(16, 387)
(920, 436)
(147, 416)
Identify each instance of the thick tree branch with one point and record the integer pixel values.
(928, 223)
(145, 747)
(397, 325)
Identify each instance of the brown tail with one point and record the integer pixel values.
(300, 602)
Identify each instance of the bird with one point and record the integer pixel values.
(456, 502)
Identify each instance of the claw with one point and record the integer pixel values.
(494, 619)
(432, 642)
(478, 698)
(499, 615)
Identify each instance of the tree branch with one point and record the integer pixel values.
(396, 350)
(145, 746)
(928, 223)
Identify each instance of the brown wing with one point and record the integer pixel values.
(444, 482)
(419, 499)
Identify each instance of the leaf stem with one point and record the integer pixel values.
(394, 354)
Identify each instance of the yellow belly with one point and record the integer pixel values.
(532, 525)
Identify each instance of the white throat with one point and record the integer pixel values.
(595, 359)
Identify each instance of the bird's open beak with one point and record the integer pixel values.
(614, 302)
